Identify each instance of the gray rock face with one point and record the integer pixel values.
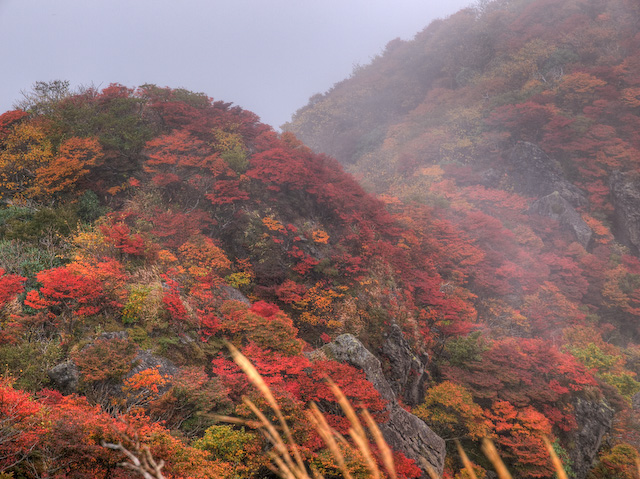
(556, 207)
(404, 431)
(235, 295)
(65, 377)
(146, 360)
(594, 421)
(407, 369)
(625, 194)
(535, 174)
(113, 335)
(346, 348)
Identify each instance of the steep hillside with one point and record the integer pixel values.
(141, 228)
(491, 289)
(516, 123)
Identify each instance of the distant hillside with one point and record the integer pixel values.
(516, 122)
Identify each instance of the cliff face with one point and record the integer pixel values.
(403, 431)
(625, 196)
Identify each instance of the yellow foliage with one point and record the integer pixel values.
(25, 150)
(317, 305)
(202, 257)
(227, 140)
(320, 236)
(450, 410)
(147, 379)
(273, 225)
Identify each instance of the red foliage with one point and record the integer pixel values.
(20, 426)
(179, 317)
(10, 286)
(297, 378)
(119, 235)
(526, 372)
(173, 228)
(81, 288)
(8, 118)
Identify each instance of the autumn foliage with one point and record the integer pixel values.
(141, 229)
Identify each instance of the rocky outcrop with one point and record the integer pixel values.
(556, 207)
(403, 431)
(535, 174)
(594, 421)
(145, 359)
(625, 195)
(65, 377)
(407, 369)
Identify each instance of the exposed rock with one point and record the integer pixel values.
(625, 195)
(113, 335)
(556, 207)
(65, 377)
(346, 348)
(146, 360)
(594, 421)
(404, 431)
(635, 401)
(407, 370)
(535, 174)
(235, 295)
(491, 178)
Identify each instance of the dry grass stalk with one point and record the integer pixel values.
(284, 464)
(465, 460)
(347, 408)
(356, 432)
(429, 468)
(489, 450)
(272, 435)
(557, 464)
(257, 380)
(237, 420)
(363, 445)
(383, 447)
(140, 460)
(320, 424)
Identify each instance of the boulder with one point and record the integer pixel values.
(346, 348)
(403, 431)
(407, 369)
(145, 359)
(556, 207)
(594, 419)
(533, 173)
(65, 377)
(625, 195)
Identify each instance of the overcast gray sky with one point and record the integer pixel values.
(268, 56)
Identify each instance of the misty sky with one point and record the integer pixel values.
(268, 56)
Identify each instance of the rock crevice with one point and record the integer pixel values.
(534, 173)
(403, 431)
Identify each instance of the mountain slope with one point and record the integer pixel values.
(141, 228)
(516, 122)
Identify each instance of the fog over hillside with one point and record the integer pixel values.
(268, 57)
